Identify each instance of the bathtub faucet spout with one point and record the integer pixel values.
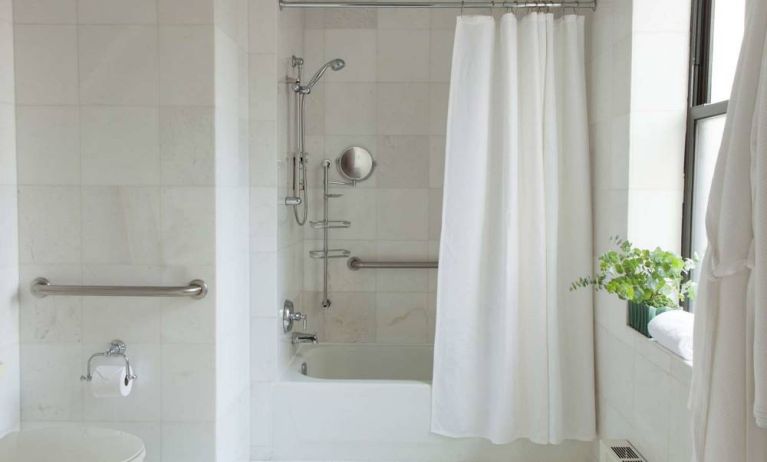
(301, 337)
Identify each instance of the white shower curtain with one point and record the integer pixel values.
(729, 386)
(514, 348)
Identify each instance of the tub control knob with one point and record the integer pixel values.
(290, 315)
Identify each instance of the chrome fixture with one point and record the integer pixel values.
(325, 254)
(355, 264)
(521, 5)
(355, 164)
(300, 158)
(334, 64)
(290, 315)
(197, 289)
(302, 337)
(117, 349)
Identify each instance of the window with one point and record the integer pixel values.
(716, 35)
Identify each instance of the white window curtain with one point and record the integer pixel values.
(729, 386)
(514, 347)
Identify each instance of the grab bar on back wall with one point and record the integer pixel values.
(355, 264)
(41, 287)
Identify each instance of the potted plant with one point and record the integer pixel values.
(652, 281)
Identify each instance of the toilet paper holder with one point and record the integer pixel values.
(116, 348)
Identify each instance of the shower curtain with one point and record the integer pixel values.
(514, 347)
(729, 380)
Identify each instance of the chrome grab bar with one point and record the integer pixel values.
(197, 289)
(355, 264)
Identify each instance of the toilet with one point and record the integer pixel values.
(70, 444)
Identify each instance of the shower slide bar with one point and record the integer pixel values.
(355, 264)
(578, 5)
(196, 289)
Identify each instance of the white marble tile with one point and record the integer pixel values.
(130, 320)
(403, 56)
(263, 346)
(121, 225)
(261, 414)
(263, 146)
(651, 409)
(403, 18)
(117, 12)
(350, 18)
(438, 102)
(46, 65)
(443, 18)
(402, 161)
(263, 284)
(188, 442)
(7, 72)
(402, 214)
(351, 317)
(188, 227)
(186, 146)
(188, 383)
(120, 145)
(186, 65)
(48, 145)
(185, 11)
(440, 55)
(357, 47)
(118, 65)
(403, 109)
(40, 400)
(350, 108)
(263, 86)
(413, 280)
(263, 214)
(49, 224)
(401, 318)
(8, 152)
(615, 372)
(45, 11)
(263, 26)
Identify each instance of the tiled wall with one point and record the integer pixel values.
(637, 119)
(232, 216)
(128, 130)
(392, 99)
(276, 240)
(9, 250)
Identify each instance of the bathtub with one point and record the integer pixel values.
(364, 402)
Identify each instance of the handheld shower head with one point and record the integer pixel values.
(334, 64)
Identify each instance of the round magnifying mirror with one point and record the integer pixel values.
(355, 164)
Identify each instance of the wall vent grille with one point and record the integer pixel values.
(619, 451)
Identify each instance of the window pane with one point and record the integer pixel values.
(727, 33)
(708, 137)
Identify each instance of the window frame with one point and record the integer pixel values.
(698, 107)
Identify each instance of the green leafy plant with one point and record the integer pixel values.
(656, 278)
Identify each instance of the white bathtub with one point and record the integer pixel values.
(373, 403)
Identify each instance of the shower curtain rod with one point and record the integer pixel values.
(578, 5)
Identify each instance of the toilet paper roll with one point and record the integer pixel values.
(110, 381)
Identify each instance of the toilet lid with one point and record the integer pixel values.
(65, 444)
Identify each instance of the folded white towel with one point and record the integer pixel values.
(673, 330)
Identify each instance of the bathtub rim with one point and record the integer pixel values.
(292, 374)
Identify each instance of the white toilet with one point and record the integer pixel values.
(70, 444)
